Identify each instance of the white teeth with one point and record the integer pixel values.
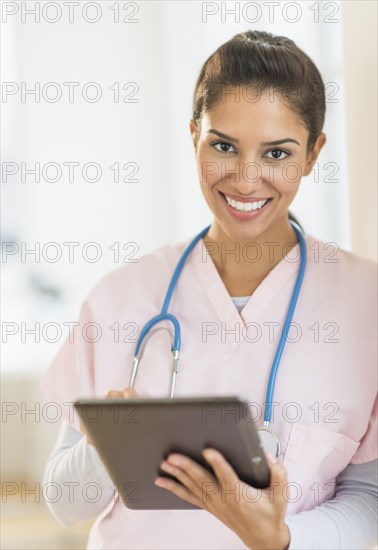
(245, 206)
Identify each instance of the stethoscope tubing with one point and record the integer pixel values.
(176, 342)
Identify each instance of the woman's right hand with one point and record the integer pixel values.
(126, 393)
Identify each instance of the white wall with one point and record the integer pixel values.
(360, 54)
(162, 54)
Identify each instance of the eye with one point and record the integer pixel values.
(222, 144)
(279, 151)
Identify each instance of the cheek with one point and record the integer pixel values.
(292, 174)
(285, 178)
(208, 181)
(209, 173)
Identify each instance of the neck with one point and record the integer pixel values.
(244, 264)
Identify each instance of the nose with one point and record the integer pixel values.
(247, 177)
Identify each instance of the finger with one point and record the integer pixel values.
(271, 459)
(278, 482)
(114, 394)
(179, 474)
(222, 469)
(129, 392)
(194, 476)
(177, 489)
(278, 474)
(230, 483)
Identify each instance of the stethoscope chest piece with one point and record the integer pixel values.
(269, 441)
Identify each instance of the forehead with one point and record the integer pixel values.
(243, 112)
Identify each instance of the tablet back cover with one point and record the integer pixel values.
(132, 437)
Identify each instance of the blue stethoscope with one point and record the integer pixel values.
(269, 439)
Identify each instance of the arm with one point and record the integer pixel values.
(349, 520)
(84, 486)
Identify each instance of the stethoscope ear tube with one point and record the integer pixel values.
(266, 432)
(165, 316)
(286, 326)
(176, 344)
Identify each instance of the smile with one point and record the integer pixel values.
(245, 206)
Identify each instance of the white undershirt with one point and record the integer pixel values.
(240, 301)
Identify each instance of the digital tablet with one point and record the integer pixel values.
(132, 438)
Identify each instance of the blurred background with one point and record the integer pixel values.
(98, 168)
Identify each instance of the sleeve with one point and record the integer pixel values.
(348, 521)
(76, 475)
(71, 374)
(367, 450)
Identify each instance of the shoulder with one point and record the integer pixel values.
(143, 274)
(329, 260)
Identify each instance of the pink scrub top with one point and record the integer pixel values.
(325, 409)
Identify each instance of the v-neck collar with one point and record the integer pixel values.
(263, 295)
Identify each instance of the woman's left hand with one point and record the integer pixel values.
(257, 516)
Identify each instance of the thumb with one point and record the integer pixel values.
(129, 392)
(278, 480)
(278, 472)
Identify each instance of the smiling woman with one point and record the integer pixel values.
(256, 92)
(258, 113)
(247, 189)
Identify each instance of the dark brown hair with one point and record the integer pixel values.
(263, 61)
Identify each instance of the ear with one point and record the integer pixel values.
(313, 154)
(193, 128)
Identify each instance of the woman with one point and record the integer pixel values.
(258, 113)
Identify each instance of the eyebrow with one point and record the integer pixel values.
(263, 143)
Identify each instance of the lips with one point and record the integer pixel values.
(245, 210)
(241, 205)
(244, 199)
